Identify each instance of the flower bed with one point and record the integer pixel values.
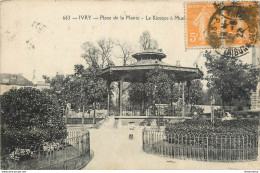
(198, 139)
(235, 127)
(71, 153)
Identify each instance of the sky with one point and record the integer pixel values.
(35, 36)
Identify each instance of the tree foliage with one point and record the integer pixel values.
(80, 89)
(206, 99)
(91, 55)
(159, 88)
(66, 89)
(231, 79)
(29, 117)
(146, 41)
(194, 94)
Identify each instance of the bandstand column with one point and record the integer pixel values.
(188, 86)
(143, 102)
(120, 96)
(171, 99)
(108, 97)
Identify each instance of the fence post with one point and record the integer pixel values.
(230, 150)
(65, 163)
(239, 149)
(247, 147)
(256, 145)
(243, 148)
(143, 138)
(39, 152)
(198, 146)
(81, 144)
(50, 156)
(216, 150)
(15, 162)
(207, 148)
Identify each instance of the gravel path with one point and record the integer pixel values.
(114, 150)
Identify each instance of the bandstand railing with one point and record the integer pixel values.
(68, 154)
(159, 109)
(202, 147)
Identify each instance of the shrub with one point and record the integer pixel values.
(29, 117)
(197, 110)
(203, 134)
(218, 113)
(202, 126)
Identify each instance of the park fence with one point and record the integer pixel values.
(68, 154)
(202, 147)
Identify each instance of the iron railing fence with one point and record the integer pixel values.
(159, 109)
(217, 147)
(71, 153)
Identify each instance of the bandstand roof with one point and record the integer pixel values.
(149, 54)
(137, 72)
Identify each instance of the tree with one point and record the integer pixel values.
(68, 89)
(206, 99)
(96, 85)
(83, 88)
(106, 47)
(92, 56)
(159, 88)
(146, 42)
(29, 117)
(194, 94)
(156, 88)
(126, 52)
(231, 79)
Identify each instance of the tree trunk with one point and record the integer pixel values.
(94, 116)
(222, 107)
(83, 112)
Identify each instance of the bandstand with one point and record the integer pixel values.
(136, 73)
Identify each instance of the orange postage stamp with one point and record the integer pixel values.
(222, 25)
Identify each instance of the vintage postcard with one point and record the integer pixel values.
(130, 85)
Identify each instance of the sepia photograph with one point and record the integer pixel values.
(129, 85)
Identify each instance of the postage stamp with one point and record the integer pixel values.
(222, 25)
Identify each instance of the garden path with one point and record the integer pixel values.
(114, 150)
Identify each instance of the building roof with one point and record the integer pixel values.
(14, 79)
(137, 73)
(146, 61)
(149, 54)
